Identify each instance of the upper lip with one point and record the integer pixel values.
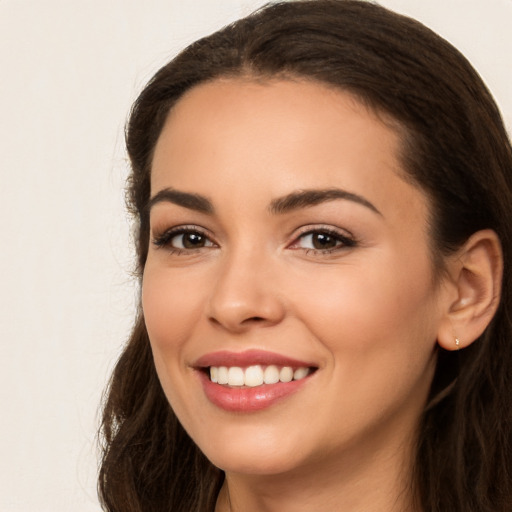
(248, 358)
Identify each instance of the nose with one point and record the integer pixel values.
(245, 295)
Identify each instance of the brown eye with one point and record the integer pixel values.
(323, 241)
(183, 239)
(189, 241)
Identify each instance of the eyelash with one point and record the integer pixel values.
(343, 241)
(164, 240)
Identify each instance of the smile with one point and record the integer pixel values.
(252, 380)
(256, 375)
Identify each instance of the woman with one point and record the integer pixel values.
(324, 195)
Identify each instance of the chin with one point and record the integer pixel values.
(253, 455)
(262, 465)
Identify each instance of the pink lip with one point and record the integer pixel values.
(248, 399)
(245, 399)
(248, 358)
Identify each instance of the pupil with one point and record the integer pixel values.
(323, 241)
(193, 240)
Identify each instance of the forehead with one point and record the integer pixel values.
(279, 134)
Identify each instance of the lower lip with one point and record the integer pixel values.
(248, 399)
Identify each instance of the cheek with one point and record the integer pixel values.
(378, 330)
(171, 306)
(170, 311)
(370, 310)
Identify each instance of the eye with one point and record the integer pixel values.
(189, 240)
(183, 239)
(323, 240)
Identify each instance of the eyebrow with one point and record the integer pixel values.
(187, 200)
(293, 201)
(305, 198)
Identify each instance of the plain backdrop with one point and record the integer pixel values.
(69, 70)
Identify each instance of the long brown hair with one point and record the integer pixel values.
(454, 147)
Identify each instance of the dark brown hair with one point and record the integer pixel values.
(454, 147)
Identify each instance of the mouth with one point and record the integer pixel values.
(252, 380)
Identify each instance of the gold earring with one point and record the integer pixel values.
(457, 343)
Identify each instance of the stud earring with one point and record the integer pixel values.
(457, 343)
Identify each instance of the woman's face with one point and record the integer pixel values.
(285, 245)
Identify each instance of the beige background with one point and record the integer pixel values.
(69, 72)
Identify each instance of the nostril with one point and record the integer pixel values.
(239, 325)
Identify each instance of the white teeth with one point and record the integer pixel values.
(236, 376)
(300, 373)
(253, 376)
(271, 375)
(222, 375)
(286, 374)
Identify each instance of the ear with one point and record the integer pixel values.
(475, 273)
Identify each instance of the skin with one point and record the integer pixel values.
(367, 314)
